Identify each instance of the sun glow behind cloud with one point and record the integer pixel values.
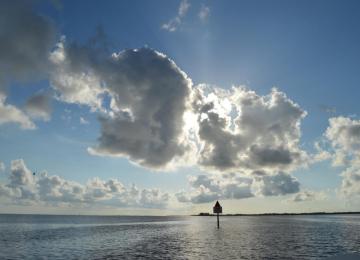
(244, 144)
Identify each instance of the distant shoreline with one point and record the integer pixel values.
(203, 214)
(281, 214)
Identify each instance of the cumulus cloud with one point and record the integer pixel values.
(20, 174)
(149, 94)
(240, 129)
(152, 114)
(149, 110)
(350, 186)
(72, 77)
(26, 38)
(54, 190)
(148, 98)
(343, 135)
(173, 24)
(307, 195)
(157, 118)
(38, 107)
(278, 184)
(211, 187)
(24, 187)
(153, 198)
(207, 188)
(21, 182)
(12, 114)
(321, 153)
(204, 13)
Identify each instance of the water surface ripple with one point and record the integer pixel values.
(245, 237)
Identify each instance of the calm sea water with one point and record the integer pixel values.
(90, 237)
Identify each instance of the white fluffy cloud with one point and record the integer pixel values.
(12, 114)
(208, 188)
(350, 186)
(239, 129)
(72, 77)
(343, 134)
(24, 187)
(21, 182)
(153, 198)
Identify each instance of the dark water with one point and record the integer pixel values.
(270, 237)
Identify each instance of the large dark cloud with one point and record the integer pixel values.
(269, 156)
(148, 94)
(150, 89)
(26, 39)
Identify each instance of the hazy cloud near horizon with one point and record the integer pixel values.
(308, 195)
(24, 187)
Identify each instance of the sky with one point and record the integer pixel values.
(163, 107)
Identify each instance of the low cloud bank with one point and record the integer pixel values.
(26, 188)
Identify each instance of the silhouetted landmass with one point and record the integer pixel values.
(283, 214)
(204, 214)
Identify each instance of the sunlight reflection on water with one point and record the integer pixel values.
(271, 237)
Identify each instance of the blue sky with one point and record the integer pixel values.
(307, 50)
